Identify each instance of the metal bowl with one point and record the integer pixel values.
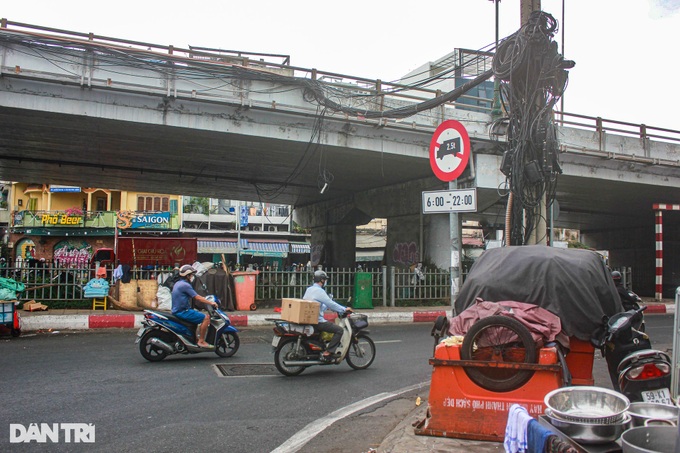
(584, 404)
(590, 433)
(652, 412)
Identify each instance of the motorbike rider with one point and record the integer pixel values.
(629, 299)
(182, 296)
(317, 293)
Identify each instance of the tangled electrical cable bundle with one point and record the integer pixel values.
(532, 76)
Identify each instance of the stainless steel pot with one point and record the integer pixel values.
(649, 439)
(585, 404)
(650, 412)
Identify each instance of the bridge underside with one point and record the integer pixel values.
(44, 147)
(53, 148)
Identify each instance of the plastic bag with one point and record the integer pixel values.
(9, 288)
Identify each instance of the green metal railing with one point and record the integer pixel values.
(50, 281)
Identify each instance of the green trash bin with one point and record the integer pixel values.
(363, 290)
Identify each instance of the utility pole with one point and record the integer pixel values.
(540, 234)
(526, 8)
(496, 108)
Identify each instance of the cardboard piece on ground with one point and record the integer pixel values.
(34, 306)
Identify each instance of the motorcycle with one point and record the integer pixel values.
(635, 369)
(299, 346)
(631, 301)
(163, 334)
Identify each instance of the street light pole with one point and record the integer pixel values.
(238, 234)
(496, 108)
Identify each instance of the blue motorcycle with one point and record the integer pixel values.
(163, 334)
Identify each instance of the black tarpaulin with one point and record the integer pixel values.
(574, 284)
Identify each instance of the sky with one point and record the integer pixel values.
(624, 50)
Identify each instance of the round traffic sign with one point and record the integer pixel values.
(449, 150)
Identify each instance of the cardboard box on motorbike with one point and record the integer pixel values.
(300, 311)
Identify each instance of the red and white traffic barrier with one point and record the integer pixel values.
(658, 220)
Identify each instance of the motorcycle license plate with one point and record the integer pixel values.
(660, 396)
(275, 341)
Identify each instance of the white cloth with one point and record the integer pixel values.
(117, 273)
(516, 429)
(164, 297)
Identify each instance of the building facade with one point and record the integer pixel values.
(68, 225)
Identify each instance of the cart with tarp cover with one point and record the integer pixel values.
(521, 327)
(9, 316)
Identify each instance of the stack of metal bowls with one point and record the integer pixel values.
(588, 415)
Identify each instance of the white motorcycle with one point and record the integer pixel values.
(299, 346)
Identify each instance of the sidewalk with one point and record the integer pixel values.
(97, 319)
(61, 319)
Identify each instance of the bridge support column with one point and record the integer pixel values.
(405, 234)
(334, 246)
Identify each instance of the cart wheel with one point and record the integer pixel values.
(253, 307)
(499, 339)
(15, 332)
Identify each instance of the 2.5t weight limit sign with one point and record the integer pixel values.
(445, 201)
(449, 150)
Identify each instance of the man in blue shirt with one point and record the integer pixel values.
(318, 294)
(182, 295)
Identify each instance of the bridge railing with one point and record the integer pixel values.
(383, 95)
(603, 125)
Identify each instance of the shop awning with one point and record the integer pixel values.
(369, 255)
(266, 248)
(221, 246)
(300, 247)
(254, 247)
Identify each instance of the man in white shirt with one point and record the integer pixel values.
(317, 293)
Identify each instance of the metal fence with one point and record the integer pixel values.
(47, 281)
(388, 285)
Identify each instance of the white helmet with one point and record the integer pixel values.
(320, 276)
(186, 270)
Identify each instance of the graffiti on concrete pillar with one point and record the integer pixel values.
(405, 253)
(316, 255)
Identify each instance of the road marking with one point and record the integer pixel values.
(387, 341)
(302, 437)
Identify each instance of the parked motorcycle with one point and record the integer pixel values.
(299, 346)
(636, 370)
(163, 334)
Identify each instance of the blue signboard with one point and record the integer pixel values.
(55, 188)
(147, 221)
(244, 216)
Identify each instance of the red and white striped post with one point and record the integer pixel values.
(658, 213)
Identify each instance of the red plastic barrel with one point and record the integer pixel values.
(244, 285)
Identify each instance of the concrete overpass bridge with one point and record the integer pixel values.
(87, 110)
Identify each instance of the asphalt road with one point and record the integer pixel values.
(185, 404)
